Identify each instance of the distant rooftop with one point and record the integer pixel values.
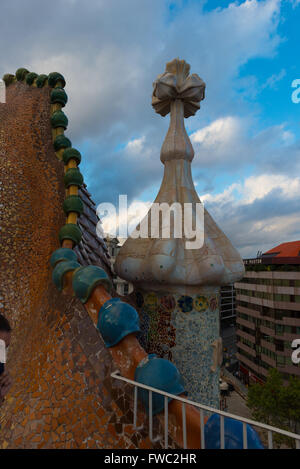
(290, 249)
(285, 254)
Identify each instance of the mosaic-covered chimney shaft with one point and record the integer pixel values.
(177, 285)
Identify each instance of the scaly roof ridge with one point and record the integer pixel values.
(88, 218)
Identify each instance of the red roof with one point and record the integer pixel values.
(291, 249)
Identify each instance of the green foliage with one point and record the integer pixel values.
(277, 404)
(272, 267)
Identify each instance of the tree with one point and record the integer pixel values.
(277, 404)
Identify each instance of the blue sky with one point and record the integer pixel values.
(246, 134)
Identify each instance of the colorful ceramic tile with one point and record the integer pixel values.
(213, 303)
(151, 302)
(200, 303)
(185, 303)
(168, 303)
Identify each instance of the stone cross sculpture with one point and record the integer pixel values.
(177, 283)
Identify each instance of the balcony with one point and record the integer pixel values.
(252, 365)
(246, 348)
(245, 335)
(267, 331)
(289, 336)
(245, 323)
(201, 409)
(268, 345)
(292, 321)
(271, 289)
(288, 305)
(280, 275)
(289, 369)
(266, 359)
(250, 312)
(253, 300)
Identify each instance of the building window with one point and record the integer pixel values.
(279, 345)
(279, 329)
(281, 361)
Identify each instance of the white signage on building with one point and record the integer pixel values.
(296, 353)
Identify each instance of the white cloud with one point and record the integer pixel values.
(222, 142)
(232, 142)
(136, 145)
(257, 187)
(123, 221)
(222, 132)
(110, 53)
(256, 214)
(259, 212)
(274, 79)
(110, 56)
(263, 236)
(227, 196)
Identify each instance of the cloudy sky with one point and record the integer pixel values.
(246, 135)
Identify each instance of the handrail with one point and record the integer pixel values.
(202, 407)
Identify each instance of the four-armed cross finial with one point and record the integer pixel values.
(176, 83)
(177, 92)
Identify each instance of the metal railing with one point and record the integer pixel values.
(270, 430)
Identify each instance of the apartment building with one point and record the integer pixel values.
(228, 321)
(122, 287)
(268, 313)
